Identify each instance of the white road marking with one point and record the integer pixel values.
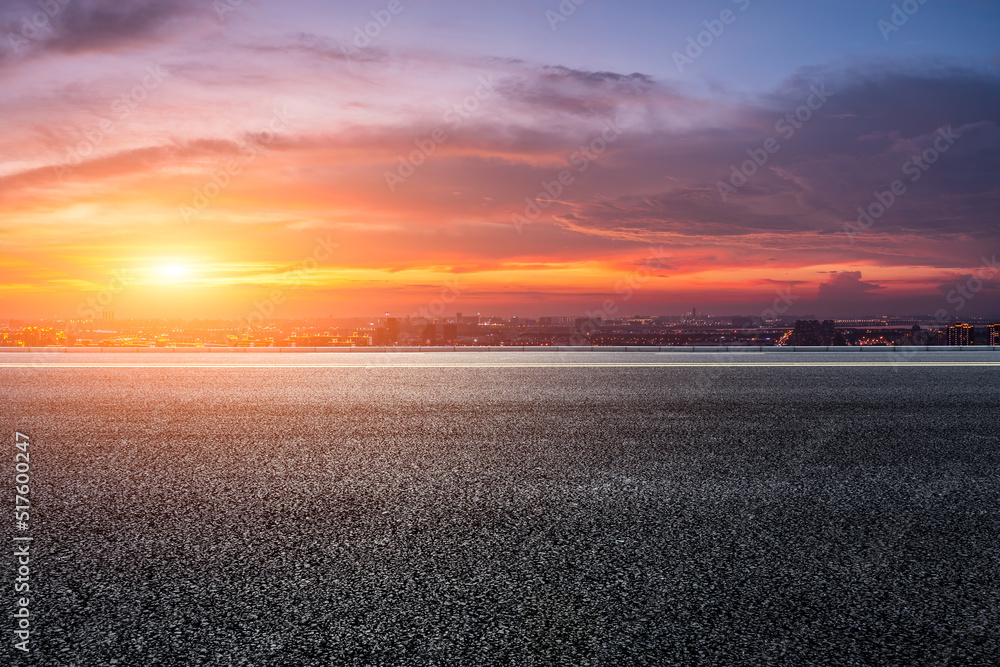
(707, 364)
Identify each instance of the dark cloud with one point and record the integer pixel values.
(972, 284)
(845, 286)
(847, 154)
(323, 48)
(72, 26)
(783, 283)
(636, 81)
(553, 89)
(846, 292)
(866, 137)
(683, 212)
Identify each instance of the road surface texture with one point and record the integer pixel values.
(509, 508)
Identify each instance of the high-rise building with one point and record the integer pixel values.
(961, 333)
(31, 336)
(429, 334)
(994, 330)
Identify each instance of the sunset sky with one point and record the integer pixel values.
(188, 158)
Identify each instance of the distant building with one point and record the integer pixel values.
(450, 334)
(961, 333)
(429, 334)
(814, 332)
(31, 336)
(994, 330)
(918, 336)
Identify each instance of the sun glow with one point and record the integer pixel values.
(174, 273)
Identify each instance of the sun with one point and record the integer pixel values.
(174, 272)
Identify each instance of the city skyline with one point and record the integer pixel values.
(212, 159)
(482, 331)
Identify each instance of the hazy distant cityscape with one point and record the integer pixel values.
(479, 330)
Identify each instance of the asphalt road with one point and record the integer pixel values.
(574, 509)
